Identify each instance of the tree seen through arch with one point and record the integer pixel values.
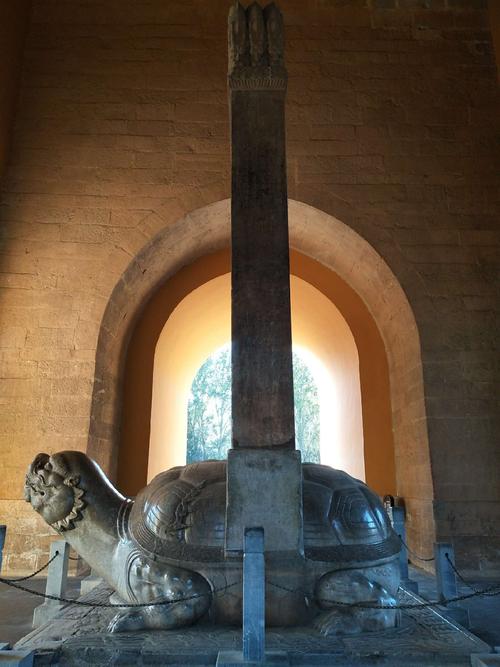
(209, 410)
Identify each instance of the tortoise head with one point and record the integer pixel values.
(51, 486)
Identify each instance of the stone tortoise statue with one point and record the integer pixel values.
(168, 544)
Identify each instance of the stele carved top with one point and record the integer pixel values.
(256, 48)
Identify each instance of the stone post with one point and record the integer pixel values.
(16, 658)
(254, 610)
(3, 533)
(57, 577)
(264, 472)
(446, 582)
(398, 518)
(254, 596)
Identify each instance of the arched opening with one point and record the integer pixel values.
(200, 324)
(175, 324)
(344, 268)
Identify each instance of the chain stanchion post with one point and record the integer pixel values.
(3, 533)
(398, 517)
(446, 581)
(57, 577)
(15, 657)
(254, 596)
(254, 610)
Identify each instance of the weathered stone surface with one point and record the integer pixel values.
(167, 544)
(424, 638)
(262, 382)
(273, 482)
(261, 329)
(90, 582)
(256, 48)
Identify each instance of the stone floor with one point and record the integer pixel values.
(77, 638)
(484, 611)
(16, 607)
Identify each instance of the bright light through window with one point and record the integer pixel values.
(209, 408)
(329, 438)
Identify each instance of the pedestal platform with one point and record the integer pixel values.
(236, 659)
(77, 637)
(264, 488)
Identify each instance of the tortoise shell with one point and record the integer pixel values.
(180, 515)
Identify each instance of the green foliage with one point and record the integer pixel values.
(209, 410)
(306, 411)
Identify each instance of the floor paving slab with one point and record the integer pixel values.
(78, 636)
(485, 660)
(236, 659)
(484, 610)
(16, 607)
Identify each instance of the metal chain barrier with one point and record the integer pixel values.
(491, 591)
(412, 553)
(466, 583)
(10, 582)
(40, 569)
(457, 573)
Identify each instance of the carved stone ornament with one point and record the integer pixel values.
(168, 545)
(256, 48)
(54, 492)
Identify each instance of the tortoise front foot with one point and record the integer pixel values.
(180, 598)
(354, 590)
(159, 617)
(127, 621)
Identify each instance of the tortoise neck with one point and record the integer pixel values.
(96, 535)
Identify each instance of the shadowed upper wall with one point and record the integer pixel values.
(14, 16)
(494, 8)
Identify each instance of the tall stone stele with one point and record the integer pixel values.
(264, 473)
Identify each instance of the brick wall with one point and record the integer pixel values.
(122, 129)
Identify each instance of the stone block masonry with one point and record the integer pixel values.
(122, 129)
